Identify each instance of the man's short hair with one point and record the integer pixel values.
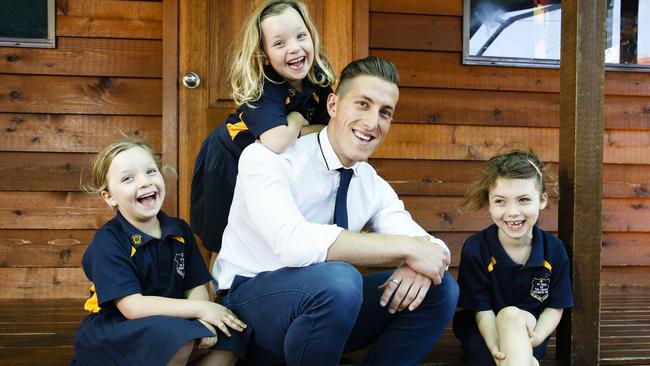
(369, 66)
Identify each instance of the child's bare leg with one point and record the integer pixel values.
(513, 336)
(182, 355)
(216, 358)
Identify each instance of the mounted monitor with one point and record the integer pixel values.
(527, 33)
(27, 23)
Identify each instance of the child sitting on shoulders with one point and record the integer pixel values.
(281, 80)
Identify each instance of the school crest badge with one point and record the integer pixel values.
(540, 287)
(136, 239)
(180, 264)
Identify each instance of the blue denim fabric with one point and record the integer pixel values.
(308, 316)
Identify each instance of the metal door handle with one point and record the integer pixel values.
(191, 80)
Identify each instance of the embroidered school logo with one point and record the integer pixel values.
(136, 239)
(180, 264)
(539, 289)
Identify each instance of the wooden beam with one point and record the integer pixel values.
(361, 36)
(170, 101)
(582, 84)
(337, 34)
(193, 40)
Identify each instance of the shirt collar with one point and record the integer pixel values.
(536, 258)
(274, 77)
(168, 227)
(332, 161)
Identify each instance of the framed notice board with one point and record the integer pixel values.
(27, 23)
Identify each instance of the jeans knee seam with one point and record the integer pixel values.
(260, 297)
(304, 343)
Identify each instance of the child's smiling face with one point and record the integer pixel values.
(288, 46)
(135, 186)
(514, 206)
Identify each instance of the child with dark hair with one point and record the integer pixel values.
(513, 276)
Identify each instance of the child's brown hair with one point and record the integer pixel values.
(516, 164)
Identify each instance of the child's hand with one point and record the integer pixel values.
(497, 355)
(221, 317)
(207, 342)
(298, 117)
(535, 339)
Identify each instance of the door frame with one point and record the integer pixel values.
(186, 48)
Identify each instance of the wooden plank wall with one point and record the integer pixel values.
(57, 108)
(452, 117)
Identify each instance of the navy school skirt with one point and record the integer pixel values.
(108, 338)
(213, 185)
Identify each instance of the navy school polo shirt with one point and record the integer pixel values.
(278, 99)
(122, 260)
(490, 280)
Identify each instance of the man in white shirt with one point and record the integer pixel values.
(288, 270)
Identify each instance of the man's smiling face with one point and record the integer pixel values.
(360, 117)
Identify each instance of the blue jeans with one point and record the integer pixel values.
(311, 315)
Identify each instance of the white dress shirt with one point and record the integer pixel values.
(283, 208)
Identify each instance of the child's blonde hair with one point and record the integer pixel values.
(517, 164)
(247, 73)
(102, 162)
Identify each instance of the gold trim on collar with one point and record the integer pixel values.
(548, 266)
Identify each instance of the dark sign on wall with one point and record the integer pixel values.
(27, 23)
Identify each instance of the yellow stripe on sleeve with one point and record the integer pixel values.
(490, 266)
(92, 304)
(235, 128)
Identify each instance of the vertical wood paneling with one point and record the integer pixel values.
(337, 32)
(170, 102)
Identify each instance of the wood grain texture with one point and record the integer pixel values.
(74, 133)
(416, 32)
(170, 103)
(44, 283)
(338, 33)
(76, 94)
(52, 210)
(43, 248)
(581, 211)
(460, 142)
(42, 171)
(423, 69)
(193, 104)
(508, 108)
(109, 19)
(454, 142)
(88, 57)
(626, 249)
(361, 29)
(448, 7)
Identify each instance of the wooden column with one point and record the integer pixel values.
(170, 102)
(582, 79)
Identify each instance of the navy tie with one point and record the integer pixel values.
(341, 205)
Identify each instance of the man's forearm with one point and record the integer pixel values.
(366, 249)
